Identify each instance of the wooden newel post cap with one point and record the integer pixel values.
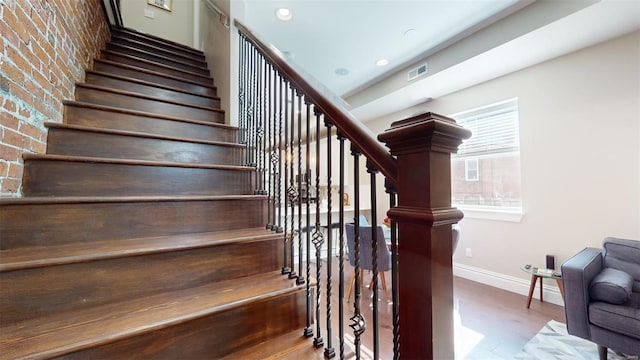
(424, 132)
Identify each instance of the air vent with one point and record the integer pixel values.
(418, 71)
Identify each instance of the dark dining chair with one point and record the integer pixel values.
(366, 256)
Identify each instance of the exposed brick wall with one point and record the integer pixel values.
(45, 45)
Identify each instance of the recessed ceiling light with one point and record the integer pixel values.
(284, 14)
(342, 72)
(382, 62)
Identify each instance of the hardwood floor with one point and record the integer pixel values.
(490, 323)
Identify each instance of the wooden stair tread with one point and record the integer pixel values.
(87, 159)
(157, 73)
(52, 125)
(142, 96)
(134, 43)
(148, 83)
(125, 30)
(37, 200)
(125, 49)
(63, 333)
(146, 114)
(51, 255)
(142, 60)
(292, 345)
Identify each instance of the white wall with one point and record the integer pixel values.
(175, 25)
(580, 156)
(216, 43)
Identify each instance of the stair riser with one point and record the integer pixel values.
(166, 94)
(211, 337)
(40, 224)
(63, 178)
(165, 53)
(101, 97)
(113, 56)
(38, 292)
(156, 79)
(104, 119)
(159, 42)
(72, 142)
(157, 59)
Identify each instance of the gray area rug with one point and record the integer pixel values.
(552, 342)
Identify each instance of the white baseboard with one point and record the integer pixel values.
(551, 293)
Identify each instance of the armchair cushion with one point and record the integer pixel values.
(611, 286)
(623, 319)
(623, 254)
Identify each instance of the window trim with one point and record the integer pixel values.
(467, 169)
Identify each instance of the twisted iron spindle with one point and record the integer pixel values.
(292, 192)
(329, 352)
(271, 209)
(374, 254)
(241, 88)
(308, 330)
(300, 279)
(318, 239)
(278, 152)
(265, 121)
(285, 117)
(394, 274)
(358, 322)
(341, 138)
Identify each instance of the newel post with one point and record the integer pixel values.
(423, 145)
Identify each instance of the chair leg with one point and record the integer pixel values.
(353, 279)
(602, 352)
(384, 287)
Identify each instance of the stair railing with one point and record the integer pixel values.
(284, 117)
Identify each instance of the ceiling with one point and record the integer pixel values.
(463, 42)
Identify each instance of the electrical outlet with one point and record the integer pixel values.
(148, 13)
(468, 252)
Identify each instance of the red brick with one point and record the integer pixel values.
(12, 72)
(9, 153)
(10, 186)
(15, 170)
(13, 138)
(19, 60)
(24, 18)
(9, 121)
(33, 131)
(10, 106)
(24, 112)
(4, 168)
(13, 22)
(38, 147)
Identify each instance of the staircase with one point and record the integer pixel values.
(139, 234)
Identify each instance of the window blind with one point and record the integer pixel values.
(494, 127)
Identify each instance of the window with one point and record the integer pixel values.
(471, 170)
(486, 169)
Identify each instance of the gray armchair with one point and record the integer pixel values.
(602, 296)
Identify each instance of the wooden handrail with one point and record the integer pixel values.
(353, 129)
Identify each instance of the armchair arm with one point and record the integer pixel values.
(577, 274)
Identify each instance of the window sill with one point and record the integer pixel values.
(504, 214)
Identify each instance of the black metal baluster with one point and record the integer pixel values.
(308, 331)
(394, 275)
(374, 254)
(329, 352)
(300, 279)
(292, 192)
(241, 87)
(341, 138)
(278, 152)
(286, 269)
(318, 239)
(265, 122)
(358, 322)
(271, 209)
(260, 128)
(252, 121)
